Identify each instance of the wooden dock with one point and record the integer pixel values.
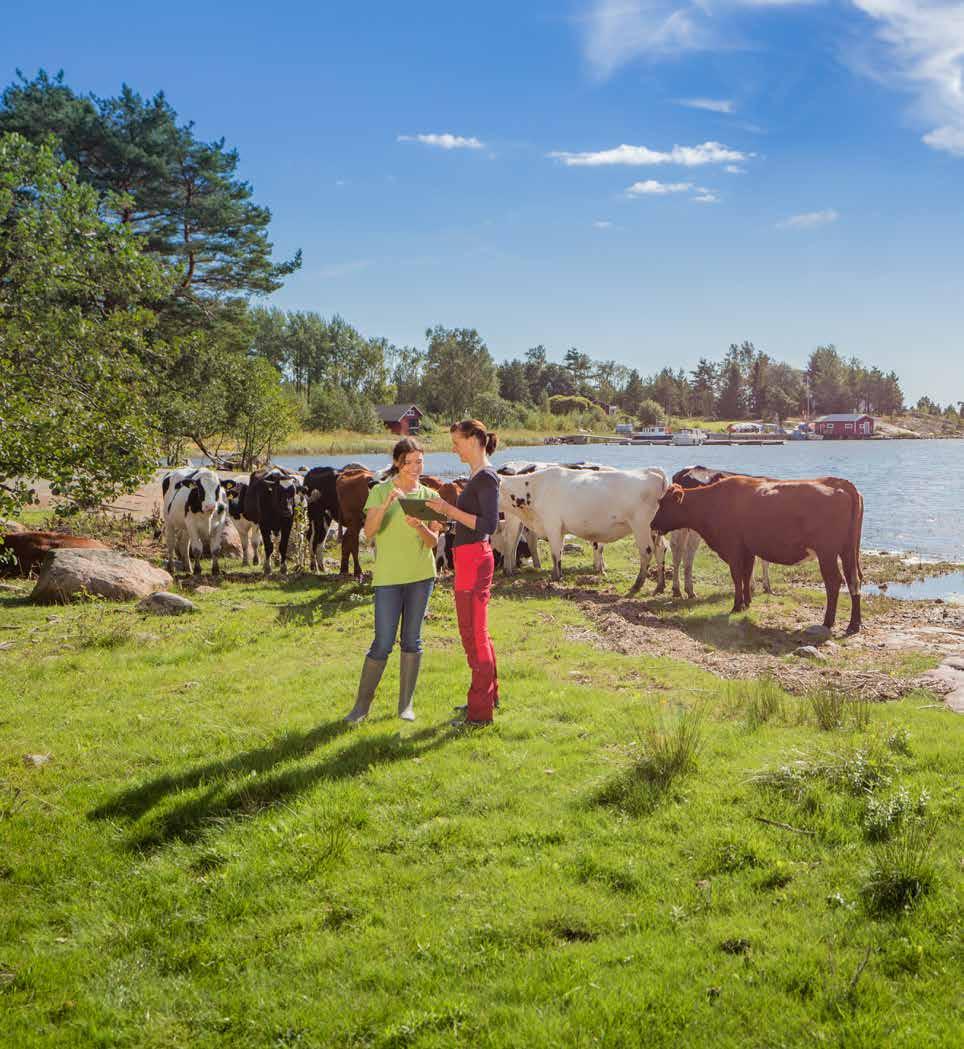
(591, 438)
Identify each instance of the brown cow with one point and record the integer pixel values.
(447, 490)
(784, 522)
(30, 548)
(352, 487)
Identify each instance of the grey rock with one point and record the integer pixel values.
(102, 573)
(11, 526)
(163, 603)
(808, 652)
(818, 632)
(36, 761)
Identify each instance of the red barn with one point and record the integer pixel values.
(402, 419)
(845, 426)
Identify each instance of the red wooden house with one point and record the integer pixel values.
(402, 419)
(844, 426)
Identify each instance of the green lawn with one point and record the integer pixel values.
(211, 858)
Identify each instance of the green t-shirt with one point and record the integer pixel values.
(400, 554)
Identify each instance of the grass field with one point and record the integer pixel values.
(638, 853)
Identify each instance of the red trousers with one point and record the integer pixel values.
(474, 565)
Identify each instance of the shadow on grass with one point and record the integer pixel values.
(660, 612)
(250, 793)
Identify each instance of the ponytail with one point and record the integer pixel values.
(476, 429)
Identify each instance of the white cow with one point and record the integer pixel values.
(195, 513)
(600, 506)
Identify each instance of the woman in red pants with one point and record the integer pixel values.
(476, 516)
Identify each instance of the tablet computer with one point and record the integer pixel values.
(418, 508)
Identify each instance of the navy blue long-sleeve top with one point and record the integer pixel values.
(480, 497)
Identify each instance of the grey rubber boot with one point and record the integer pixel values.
(371, 674)
(407, 676)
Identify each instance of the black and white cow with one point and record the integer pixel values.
(269, 502)
(195, 512)
(249, 533)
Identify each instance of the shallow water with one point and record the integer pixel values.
(913, 490)
(949, 588)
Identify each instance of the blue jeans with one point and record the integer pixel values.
(405, 601)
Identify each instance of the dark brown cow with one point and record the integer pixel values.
(784, 522)
(30, 548)
(352, 489)
(447, 490)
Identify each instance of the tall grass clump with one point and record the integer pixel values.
(668, 751)
(903, 868)
(764, 701)
(831, 708)
(859, 772)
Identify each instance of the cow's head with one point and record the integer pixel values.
(669, 514)
(206, 494)
(284, 492)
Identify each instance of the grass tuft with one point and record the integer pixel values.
(667, 752)
(903, 869)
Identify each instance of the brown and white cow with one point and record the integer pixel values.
(784, 522)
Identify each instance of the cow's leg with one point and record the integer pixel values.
(255, 534)
(644, 544)
(268, 548)
(736, 574)
(512, 537)
(170, 534)
(286, 526)
(217, 536)
(533, 543)
(691, 546)
(660, 546)
(767, 589)
(830, 570)
(354, 551)
(748, 562)
(556, 542)
(345, 550)
(852, 575)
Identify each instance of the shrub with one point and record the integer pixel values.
(334, 408)
(565, 404)
(884, 816)
(651, 413)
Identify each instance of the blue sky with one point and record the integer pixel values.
(791, 173)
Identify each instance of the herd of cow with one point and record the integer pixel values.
(740, 517)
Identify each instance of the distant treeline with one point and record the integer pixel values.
(130, 251)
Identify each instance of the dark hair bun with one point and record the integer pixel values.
(491, 442)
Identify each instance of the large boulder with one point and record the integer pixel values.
(104, 573)
(11, 526)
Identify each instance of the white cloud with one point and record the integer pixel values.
(922, 45)
(657, 189)
(734, 169)
(615, 32)
(949, 139)
(714, 105)
(641, 156)
(707, 196)
(445, 141)
(605, 224)
(809, 219)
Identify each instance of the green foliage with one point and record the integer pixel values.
(181, 196)
(458, 371)
(566, 405)
(334, 408)
(76, 367)
(260, 413)
(650, 413)
(903, 869)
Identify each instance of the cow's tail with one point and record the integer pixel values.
(856, 522)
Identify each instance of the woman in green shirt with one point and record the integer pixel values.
(403, 578)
